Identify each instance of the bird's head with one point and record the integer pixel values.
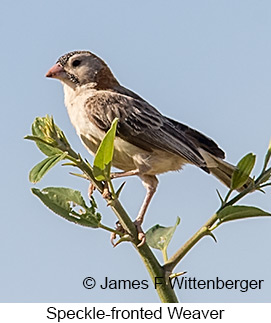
(82, 67)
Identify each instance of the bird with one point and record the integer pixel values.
(147, 143)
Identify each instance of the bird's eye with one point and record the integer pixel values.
(76, 63)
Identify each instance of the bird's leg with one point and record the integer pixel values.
(150, 183)
(125, 174)
(119, 175)
(106, 192)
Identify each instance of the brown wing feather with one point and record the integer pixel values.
(142, 125)
(199, 139)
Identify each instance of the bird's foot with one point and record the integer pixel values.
(113, 236)
(106, 193)
(140, 234)
(124, 237)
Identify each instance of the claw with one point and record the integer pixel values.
(126, 237)
(140, 234)
(106, 193)
(142, 238)
(113, 236)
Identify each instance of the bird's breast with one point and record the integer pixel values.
(91, 135)
(75, 103)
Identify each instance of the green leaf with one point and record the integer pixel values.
(100, 174)
(238, 212)
(40, 130)
(69, 204)
(48, 136)
(44, 166)
(159, 237)
(46, 146)
(241, 174)
(104, 155)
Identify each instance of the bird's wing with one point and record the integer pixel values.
(199, 139)
(143, 126)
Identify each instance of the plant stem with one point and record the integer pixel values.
(178, 256)
(156, 271)
(164, 253)
(205, 229)
(164, 290)
(238, 197)
(112, 188)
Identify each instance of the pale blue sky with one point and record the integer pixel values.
(204, 63)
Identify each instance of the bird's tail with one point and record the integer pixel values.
(221, 169)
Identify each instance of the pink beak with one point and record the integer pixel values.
(56, 71)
